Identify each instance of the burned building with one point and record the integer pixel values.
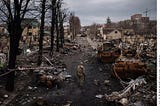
(30, 31)
(141, 25)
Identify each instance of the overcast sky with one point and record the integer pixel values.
(96, 11)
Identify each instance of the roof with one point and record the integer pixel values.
(107, 30)
(30, 22)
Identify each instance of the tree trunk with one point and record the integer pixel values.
(52, 27)
(61, 34)
(14, 20)
(57, 31)
(41, 33)
(14, 44)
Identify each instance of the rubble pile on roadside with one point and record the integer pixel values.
(40, 79)
(137, 59)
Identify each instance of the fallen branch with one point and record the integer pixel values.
(48, 60)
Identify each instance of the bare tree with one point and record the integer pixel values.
(57, 24)
(43, 6)
(75, 25)
(53, 9)
(63, 15)
(13, 12)
(57, 16)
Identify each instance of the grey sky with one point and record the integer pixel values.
(90, 11)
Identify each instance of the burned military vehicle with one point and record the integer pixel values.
(108, 52)
(129, 68)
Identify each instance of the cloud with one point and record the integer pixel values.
(97, 11)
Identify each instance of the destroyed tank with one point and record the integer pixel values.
(108, 53)
(129, 52)
(129, 68)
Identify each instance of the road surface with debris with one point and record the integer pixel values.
(98, 81)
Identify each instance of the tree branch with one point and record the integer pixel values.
(7, 4)
(25, 8)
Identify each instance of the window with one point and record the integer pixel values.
(29, 27)
(30, 33)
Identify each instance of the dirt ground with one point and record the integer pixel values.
(69, 93)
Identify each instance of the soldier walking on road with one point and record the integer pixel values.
(80, 74)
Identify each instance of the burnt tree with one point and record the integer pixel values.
(57, 25)
(13, 12)
(63, 16)
(43, 7)
(53, 9)
(75, 25)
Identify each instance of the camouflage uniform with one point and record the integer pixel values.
(80, 75)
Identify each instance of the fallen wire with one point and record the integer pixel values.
(123, 83)
(4, 74)
(23, 69)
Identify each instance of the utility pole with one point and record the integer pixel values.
(146, 12)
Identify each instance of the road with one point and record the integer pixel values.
(95, 71)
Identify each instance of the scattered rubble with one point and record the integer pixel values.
(99, 96)
(3, 60)
(125, 96)
(106, 82)
(96, 82)
(54, 73)
(5, 96)
(124, 101)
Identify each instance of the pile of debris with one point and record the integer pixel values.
(51, 78)
(3, 60)
(68, 48)
(136, 92)
(122, 96)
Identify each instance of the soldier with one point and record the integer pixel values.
(80, 74)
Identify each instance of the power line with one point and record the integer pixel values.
(146, 11)
(24, 69)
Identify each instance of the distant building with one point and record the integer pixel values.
(153, 26)
(126, 24)
(136, 17)
(30, 31)
(110, 34)
(30, 26)
(141, 25)
(4, 39)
